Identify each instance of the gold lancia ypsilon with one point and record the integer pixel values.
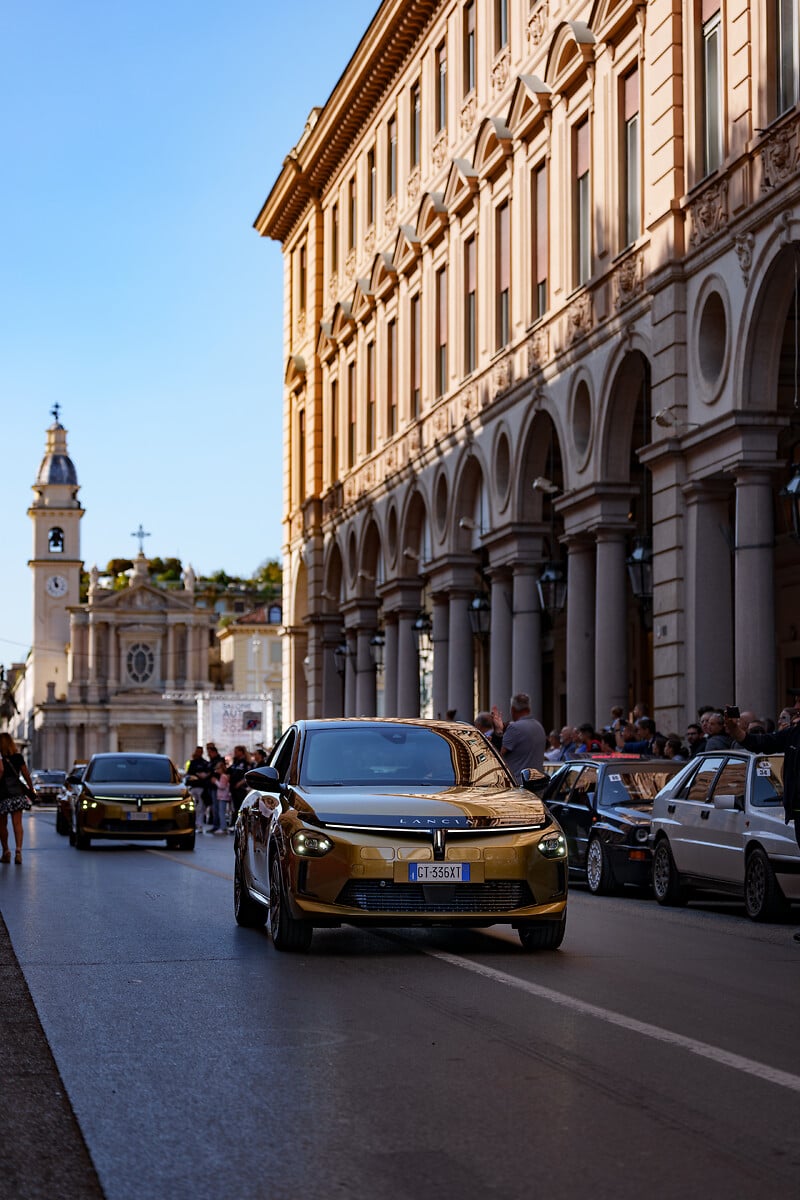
(395, 822)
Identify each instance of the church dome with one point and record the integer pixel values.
(57, 466)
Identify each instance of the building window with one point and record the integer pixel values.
(370, 187)
(631, 158)
(500, 24)
(370, 397)
(391, 378)
(787, 46)
(712, 86)
(334, 430)
(441, 87)
(469, 47)
(416, 356)
(470, 305)
(441, 331)
(140, 662)
(55, 540)
(416, 125)
(503, 262)
(583, 215)
(391, 157)
(539, 240)
(301, 455)
(302, 274)
(352, 214)
(351, 415)
(335, 238)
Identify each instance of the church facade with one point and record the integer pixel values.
(100, 669)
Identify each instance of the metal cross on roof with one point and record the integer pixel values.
(141, 535)
(55, 411)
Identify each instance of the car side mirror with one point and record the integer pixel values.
(263, 779)
(727, 800)
(75, 777)
(534, 781)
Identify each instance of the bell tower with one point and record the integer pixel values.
(56, 564)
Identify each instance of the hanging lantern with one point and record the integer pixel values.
(422, 630)
(640, 570)
(552, 588)
(376, 648)
(480, 616)
(791, 498)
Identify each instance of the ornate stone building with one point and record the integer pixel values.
(542, 357)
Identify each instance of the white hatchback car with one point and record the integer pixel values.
(719, 825)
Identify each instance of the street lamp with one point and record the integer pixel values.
(791, 497)
(422, 630)
(376, 648)
(340, 656)
(480, 616)
(552, 588)
(640, 570)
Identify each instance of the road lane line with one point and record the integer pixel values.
(191, 865)
(725, 1058)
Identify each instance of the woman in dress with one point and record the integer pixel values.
(14, 775)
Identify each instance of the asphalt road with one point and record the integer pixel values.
(657, 1053)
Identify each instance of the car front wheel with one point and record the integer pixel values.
(599, 872)
(82, 840)
(247, 911)
(667, 885)
(763, 897)
(544, 935)
(287, 932)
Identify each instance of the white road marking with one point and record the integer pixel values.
(716, 1054)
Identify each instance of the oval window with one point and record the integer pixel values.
(140, 662)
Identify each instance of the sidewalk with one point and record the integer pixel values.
(42, 1152)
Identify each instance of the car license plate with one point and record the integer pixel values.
(140, 816)
(419, 872)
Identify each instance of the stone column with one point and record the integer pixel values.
(526, 641)
(709, 600)
(71, 747)
(390, 665)
(441, 652)
(112, 650)
(366, 684)
(407, 667)
(350, 675)
(169, 671)
(754, 620)
(610, 622)
(501, 654)
(460, 668)
(332, 682)
(93, 652)
(580, 629)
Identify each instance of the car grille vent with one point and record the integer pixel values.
(376, 895)
(147, 828)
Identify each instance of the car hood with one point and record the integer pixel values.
(450, 808)
(133, 791)
(634, 814)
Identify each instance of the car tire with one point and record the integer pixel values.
(247, 911)
(183, 843)
(82, 840)
(544, 935)
(62, 824)
(667, 886)
(287, 932)
(763, 898)
(599, 872)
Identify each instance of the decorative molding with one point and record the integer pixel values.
(441, 422)
(333, 285)
(470, 402)
(743, 244)
(350, 266)
(709, 213)
(369, 240)
(300, 324)
(629, 279)
(780, 156)
(469, 110)
(439, 149)
(579, 318)
(390, 212)
(413, 184)
(537, 23)
(501, 69)
(501, 376)
(538, 349)
(784, 222)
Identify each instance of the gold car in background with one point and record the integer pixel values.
(130, 797)
(395, 822)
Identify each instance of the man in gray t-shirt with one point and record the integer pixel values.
(524, 738)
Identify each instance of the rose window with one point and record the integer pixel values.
(140, 662)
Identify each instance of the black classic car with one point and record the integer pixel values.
(603, 804)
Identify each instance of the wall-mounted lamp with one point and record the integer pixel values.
(540, 484)
(552, 588)
(340, 656)
(307, 669)
(466, 523)
(791, 498)
(480, 616)
(640, 570)
(377, 645)
(422, 629)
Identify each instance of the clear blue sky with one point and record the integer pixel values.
(140, 139)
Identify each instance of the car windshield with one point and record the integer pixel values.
(636, 785)
(51, 776)
(400, 755)
(131, 768)
(768, 781)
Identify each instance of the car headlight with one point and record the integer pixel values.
(642, 833)
(311, 845)
(553, 846)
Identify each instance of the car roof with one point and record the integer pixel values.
(125, 754)
(421, 722)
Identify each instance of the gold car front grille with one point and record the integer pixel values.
(383, 896)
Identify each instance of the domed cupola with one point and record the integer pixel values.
(57, 466)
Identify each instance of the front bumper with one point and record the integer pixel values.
(126, 822)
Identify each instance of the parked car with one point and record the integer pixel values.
(394, 822)
(47, 785)
(719, 826)
(131, 797)
(603, 805)
(64, 798)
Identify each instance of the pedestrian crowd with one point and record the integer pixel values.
(218, 786)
